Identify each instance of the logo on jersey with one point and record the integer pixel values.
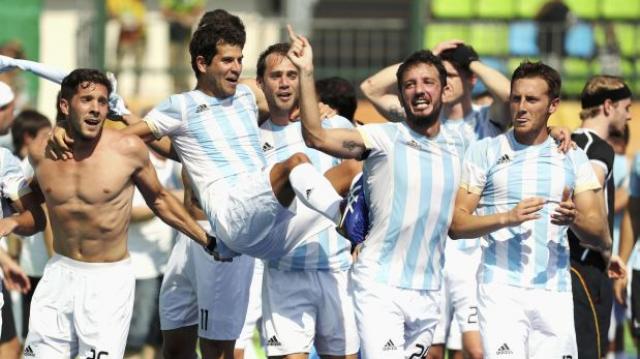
(267, 147)
(504, 349)
(308, 193)
(389, 346)
(201, 108)
(273, 342)
(414, 144)
(503, 159)
(28, 352)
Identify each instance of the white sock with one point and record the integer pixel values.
(315, 191)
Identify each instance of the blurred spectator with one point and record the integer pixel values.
(7, 108)
(181, 15)
(130, 15)
(12, 78)
(609, 52)
(339, 94)
(36, 249)
(150, 243)
(553, 19)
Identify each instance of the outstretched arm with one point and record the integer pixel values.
(342, 143)
(166, 206)
(499, 87)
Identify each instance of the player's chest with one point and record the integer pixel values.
(86, 182)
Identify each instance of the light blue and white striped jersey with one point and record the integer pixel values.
(620, 180)
(13, 183)
(475, 126)
(217, 139)
(504, 172)
(634, 191)
(322, 248)
(410, 183)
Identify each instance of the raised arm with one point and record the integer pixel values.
(342, 143)
(167, 207)
(382, 91)
(499, 87)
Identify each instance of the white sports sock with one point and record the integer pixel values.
(315, 191)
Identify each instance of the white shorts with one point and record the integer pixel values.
(526, 323)
(254, 310)
(459, 298)
(246, 216)
(198, 290)
(394, 323)
(81, 309)
(305, 308)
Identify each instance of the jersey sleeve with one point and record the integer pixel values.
(378, 137)
(13, 182)
(585, 176)
(166, 118)
(475, 167)
(337, 122)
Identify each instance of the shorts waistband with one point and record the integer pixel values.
(66, 261)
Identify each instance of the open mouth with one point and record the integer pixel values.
(92, 121)
(421, 104)
(284, 96)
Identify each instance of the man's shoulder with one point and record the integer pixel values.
(594, 146)
(123, 143)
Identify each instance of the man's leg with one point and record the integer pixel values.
(472, 345)
(9, 343)
(178, 306)
(180, 343)
(217, 349)
(296, 177)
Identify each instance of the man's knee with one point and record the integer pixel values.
(296, 159)
(217, 348)
(436, 351)
(473, 353)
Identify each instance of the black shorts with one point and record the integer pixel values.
(8, 322)
(635, 303)
(592, 303)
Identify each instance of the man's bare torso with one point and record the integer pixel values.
(89, 198)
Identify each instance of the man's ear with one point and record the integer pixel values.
(553, 106)
(64, 106)
(201, 64)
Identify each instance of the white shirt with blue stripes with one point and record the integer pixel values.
(410, 183)
(322, 247)
(503, 172)
(218, 140)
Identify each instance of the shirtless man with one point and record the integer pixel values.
(83, 304)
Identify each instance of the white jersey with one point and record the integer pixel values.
(475, 126)
(217, 139)
(33, 252)
(410, 183)
(504, 172)
(150, 241)
(634, 191)
(13, 183)
(323, 248)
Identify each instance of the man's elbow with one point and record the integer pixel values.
(454, 232)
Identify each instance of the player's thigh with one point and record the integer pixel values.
(180, 343)
(503, 323)
(289, 311)
(336, 333)
(553, 332)
(379, 320)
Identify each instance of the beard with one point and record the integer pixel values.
(424, 121)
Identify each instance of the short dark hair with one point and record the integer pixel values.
(528, 69)
(220, 16)
(280, 48)
(27, 122)
(448, 55)
(422, 57)
(70, 83)
(216, 29)
(339, 94)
